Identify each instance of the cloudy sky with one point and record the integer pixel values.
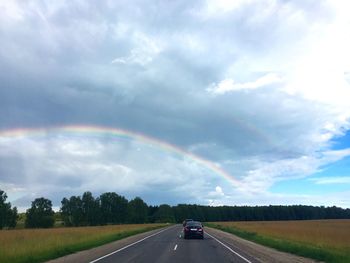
(207, 102)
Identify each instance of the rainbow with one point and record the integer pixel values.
(121, 133)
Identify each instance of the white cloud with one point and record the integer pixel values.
(11, 10)
(336, 155)
(218, 190)
(228, 85)
(331, 180)
(220, 7)
(145, 50)
(319, 74)
(260, 179)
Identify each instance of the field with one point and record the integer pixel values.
(38, 245)
(326, 240)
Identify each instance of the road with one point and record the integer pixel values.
(167, 245)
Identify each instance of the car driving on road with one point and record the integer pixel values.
(193, 229)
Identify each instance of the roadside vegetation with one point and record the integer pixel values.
(39, 245)
(324, 240)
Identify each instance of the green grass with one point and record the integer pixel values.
(297, 248)
(40, 245)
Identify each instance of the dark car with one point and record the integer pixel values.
(185, 221)
(193, 229)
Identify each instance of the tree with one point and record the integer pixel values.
(40, 214)
(91, 209)
(137, 211)
(12, 217)
(72, 211)
(8, 215)
(152, 213)
(78, 211)
(164, 214)
(114, 208)
(66, 212)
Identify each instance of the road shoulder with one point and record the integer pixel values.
(259, 252)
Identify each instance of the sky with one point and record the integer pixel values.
(206, 102)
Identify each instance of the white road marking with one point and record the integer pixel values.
(234, 252)
(120, 249)
(175, 247)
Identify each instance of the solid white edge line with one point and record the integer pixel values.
(234, 252)
(175, 247)
(120, 249)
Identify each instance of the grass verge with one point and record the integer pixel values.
(297, 248)
(40, 245)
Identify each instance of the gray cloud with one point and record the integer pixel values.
(151, 71)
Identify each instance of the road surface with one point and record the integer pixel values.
(168, 245)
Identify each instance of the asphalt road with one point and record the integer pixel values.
(168, 245)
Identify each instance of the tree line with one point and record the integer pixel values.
(111, 208)
(108, 208)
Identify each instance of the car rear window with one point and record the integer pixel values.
(193, 223)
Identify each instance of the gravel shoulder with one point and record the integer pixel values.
(261, 253)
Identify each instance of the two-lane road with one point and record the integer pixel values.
(168, 245)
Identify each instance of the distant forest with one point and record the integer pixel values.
(111, 208)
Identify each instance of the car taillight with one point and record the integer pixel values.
(200, 229)
(186, 229)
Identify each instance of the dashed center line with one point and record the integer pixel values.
(175, 247)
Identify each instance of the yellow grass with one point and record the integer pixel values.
(26, 245)
(329, 234)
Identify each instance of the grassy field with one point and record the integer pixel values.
(325, 240)
(38, 245)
